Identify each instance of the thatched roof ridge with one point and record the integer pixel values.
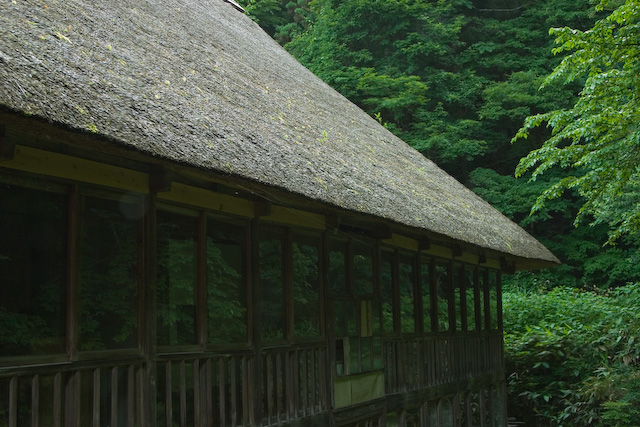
(197, 82)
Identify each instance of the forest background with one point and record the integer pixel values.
(456, 79)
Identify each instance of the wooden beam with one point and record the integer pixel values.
(7, 147)
(43, 162)
(295, 217)
(194, 196)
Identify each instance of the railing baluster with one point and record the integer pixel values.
(131, 396)
(196, 393)
(114, 396)
(168, 389)
(96, 397)
(222, 387)
(57, 400)
(35, 400)
(13, 402)
(279, 387)
(234, 388)
(183, 395)
(305, 381)
(270, 384)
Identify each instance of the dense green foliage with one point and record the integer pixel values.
(598, 138)
(456, 80)
(573, 356)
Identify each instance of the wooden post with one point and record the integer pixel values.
(255, 308)
(148, 327)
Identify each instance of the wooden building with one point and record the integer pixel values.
(196, 231)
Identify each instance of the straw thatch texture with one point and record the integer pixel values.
(197, 82)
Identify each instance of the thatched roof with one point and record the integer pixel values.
(197, 82)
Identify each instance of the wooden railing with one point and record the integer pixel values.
(193, 390)
(71, 395)
(295, 383)
(414, 364)
(207, 389)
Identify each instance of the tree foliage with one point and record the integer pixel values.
(572, 356)
(598, 138)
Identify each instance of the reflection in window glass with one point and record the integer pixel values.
(306, 296)
(459, 297)
(446, 413)
(32, 271)
(471, 292)
(354, 355)
(493, 299)
(483, 282)
(108, 275)
(363, 268)
(272, 282)
(338, 267)
(386, 287)
(366, 345)
(425, 286)
(443, 288)
(406, 286)
(176, 283)
(377, 353)
(226, 298)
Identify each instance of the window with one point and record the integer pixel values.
(357, 319)
(338, 267)
(472, 295)
(226, 296)
(443, 293)
(108, 274)
(494, 308)
(460, 298)
(363, 267)
(33, 226)
(306, 290)
(272, 284)
(177, 278)
(425, 288)
(406, 285)
(386, 288)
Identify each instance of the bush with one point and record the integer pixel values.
(572, 356)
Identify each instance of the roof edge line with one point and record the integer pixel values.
(236, 5)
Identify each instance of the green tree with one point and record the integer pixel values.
(597, 140)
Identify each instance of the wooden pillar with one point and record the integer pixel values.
(148, 327)
(255, 308)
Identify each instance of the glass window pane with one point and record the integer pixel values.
(386, 289)
(363, 268)
(108, 274)
(375, 317)
(354, 355)
(442, 291)
(33, 226)
(338, 267)
(340, 318)
(493, 298)
(366, 354)
(471, 292)
(483, 282)
(226, 297)
(352, 322)
(425, 286)
(306, 294)
(406, 287)
(377, 353)
(176, 282)
(459, 297)
(272, 282)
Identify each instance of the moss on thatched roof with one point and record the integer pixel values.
(197, 82)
